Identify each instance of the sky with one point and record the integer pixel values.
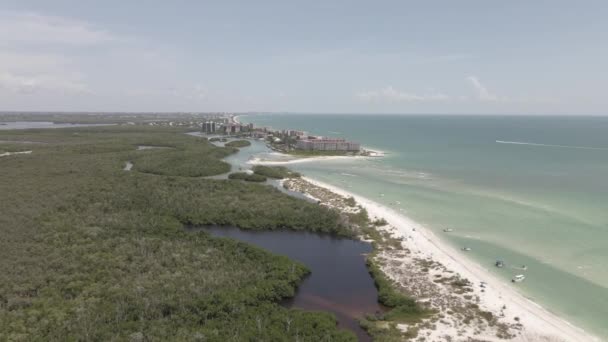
(452, 57)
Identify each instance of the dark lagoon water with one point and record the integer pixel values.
(339, 281)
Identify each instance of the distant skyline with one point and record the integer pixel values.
(410, 57)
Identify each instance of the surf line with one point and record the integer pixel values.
(549, 145)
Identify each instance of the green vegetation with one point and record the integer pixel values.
(402, 308)
(277, 172)
(202, 160)
(91, 252)
(238, 143)
(380, 222)
(247, 177)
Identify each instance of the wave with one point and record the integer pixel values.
(348, 174)
(550, 145)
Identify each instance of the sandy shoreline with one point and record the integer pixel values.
(298, 159)
(6, 154)
(497, 296)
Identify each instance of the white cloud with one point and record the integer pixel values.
(29, 61)
(31, 84)
(392, 95)
(483, 94)
(30, 72)
(23, 61)
(30, 28)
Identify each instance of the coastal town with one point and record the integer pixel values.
(284, 140)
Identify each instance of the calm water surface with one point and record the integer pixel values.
(339, 281)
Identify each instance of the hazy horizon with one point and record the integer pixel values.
(561, 115)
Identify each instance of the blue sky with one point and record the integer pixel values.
(478, 57)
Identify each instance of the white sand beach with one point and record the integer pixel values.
(286, 159)
(6, 154)
(531, 321)
(297, 160)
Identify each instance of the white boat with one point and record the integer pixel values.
(518, 278)
(466, 249)
(448, 230)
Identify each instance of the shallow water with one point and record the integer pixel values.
(526, 190)
(339, 281)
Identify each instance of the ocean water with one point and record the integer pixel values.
(527, 190)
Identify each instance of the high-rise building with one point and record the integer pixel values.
(209, 127)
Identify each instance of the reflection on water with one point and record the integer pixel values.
(339, 281)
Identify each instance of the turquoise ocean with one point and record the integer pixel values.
(528, 190)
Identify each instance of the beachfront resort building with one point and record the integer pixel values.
(232, 128)
(209, 126)
(327, 144)
(293, 133)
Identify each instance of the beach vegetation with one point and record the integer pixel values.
(380, 222)
(350, 201)
(276, 172)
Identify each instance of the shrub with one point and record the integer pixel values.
(247, 177)
(277, 172)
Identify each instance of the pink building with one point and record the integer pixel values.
(327, 144)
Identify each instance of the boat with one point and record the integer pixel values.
(518, 278)
(466, 249)
(499, 264)
(448, 230)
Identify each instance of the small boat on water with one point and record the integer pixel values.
(448, 230)
(466, 249)
(518, 278)
(499, 264)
